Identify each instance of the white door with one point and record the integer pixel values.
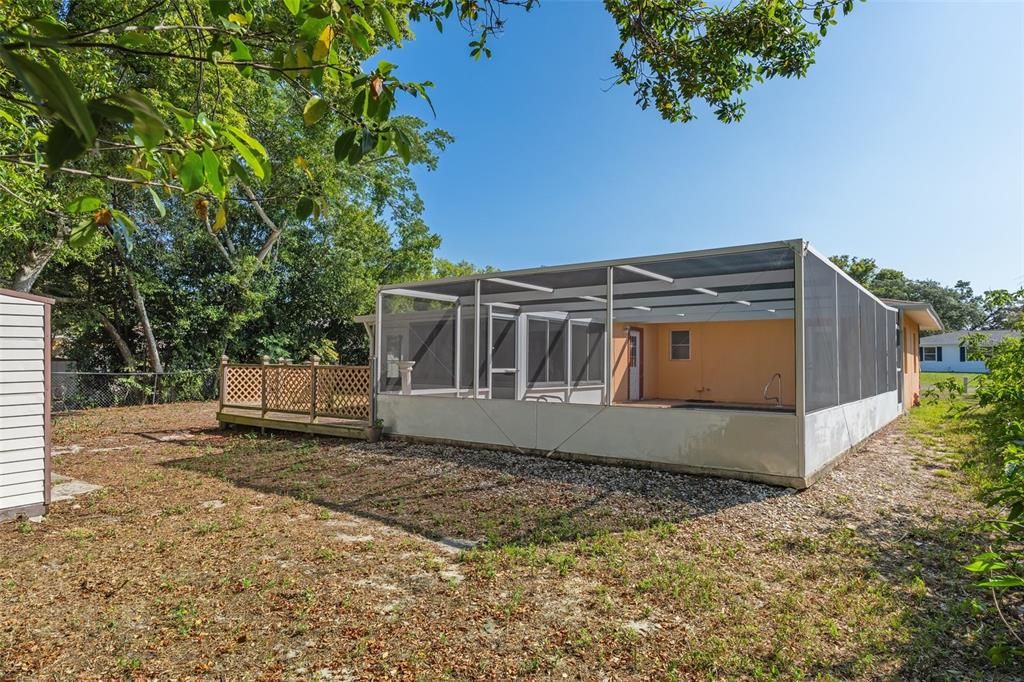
(634, 364)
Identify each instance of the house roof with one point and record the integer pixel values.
(994, 336)
(919, 311)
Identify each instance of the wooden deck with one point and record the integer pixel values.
(324, 426)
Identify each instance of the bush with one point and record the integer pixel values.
(1000, 397)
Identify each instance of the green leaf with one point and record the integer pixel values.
(304, 208)
(257, 157)
(368, 142)
(49, 27)
(86, 204)
(62, 145)
(257, 163)
(83, 233)
(220, 8)
(293, 6)
(191, 172)
(111, 112)
(1003, 581)
(50, 87)
(314, 110)
(401, 142)
(122, 228)
(358, 36)
(160, 209)
(185, 119)
(343, 145)
(389, 23)
(241, 53)
(211, 165)
(148, 124)
(303, 62)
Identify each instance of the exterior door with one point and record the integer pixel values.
(634, 365)
(503, 354)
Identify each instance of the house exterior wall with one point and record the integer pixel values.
(24, 405)
(951, 361)
(911, 363)
(731, 361)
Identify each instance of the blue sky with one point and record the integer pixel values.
(905, 143)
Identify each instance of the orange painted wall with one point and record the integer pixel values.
(731, 361)
(911, 363)
(649, 342)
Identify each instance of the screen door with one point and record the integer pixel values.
(503, 345)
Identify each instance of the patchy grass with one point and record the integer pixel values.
(929, 379)
(233, 554)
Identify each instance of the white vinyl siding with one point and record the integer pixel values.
(22, 453)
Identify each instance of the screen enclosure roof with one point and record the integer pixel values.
(733, 283)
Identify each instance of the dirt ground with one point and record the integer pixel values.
(236, 555)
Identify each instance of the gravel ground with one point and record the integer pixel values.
(226, 554)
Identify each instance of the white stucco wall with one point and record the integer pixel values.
(731, 442)
(830, 432)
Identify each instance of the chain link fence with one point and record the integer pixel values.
(85, 390)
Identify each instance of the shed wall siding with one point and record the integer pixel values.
(22, 398)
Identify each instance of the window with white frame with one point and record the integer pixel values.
(680, 346)
(930, 353)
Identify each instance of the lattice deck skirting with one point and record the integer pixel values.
(335, 397)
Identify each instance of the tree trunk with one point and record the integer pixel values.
(123, 349)
(152, 350)
(39, 255)
(122, 346)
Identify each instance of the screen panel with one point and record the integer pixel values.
(820, 342)
(848, 299)
(892, 351)
(868, 381)
(881, 349)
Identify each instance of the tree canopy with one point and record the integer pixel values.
(195, 176)
(958, 306)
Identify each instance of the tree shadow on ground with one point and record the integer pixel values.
(449, 492)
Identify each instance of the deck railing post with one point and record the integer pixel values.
(314, 360)
(223, 392)
(376, 361)
(264, 362)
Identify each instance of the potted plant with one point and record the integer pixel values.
(373, 433)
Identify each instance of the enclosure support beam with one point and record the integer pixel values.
(609, 366)
(801, 358)
(458, 350)
(378, 336)
(476, 339)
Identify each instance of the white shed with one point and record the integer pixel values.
(24, 404)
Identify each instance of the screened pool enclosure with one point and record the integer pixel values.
(760, 361)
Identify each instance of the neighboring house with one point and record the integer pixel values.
(761, 362)
(943, 352)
